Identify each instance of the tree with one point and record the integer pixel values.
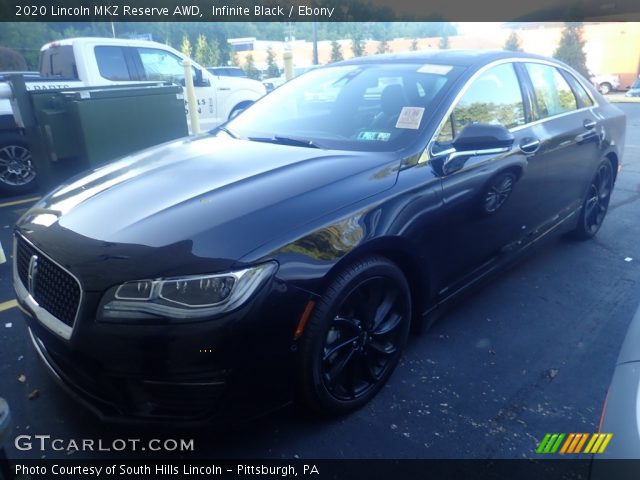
(444, 43)
(357, 45)
(571, 48)
(272, 67)
(414, 45)
(250, 68)
(383, 47)
(185, 47)
(336, 52)
(11, 61)
(201, 54)
(513, 43)
(234, 58)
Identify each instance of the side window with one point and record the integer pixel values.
(580, 91)
(553, 94)
(160, 65)
(494, 97)
(111, 63)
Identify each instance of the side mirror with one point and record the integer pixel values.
(198, 79)
(476, 139)
(482, 136)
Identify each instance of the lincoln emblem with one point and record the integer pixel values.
(32, 272)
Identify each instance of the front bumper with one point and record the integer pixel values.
(217, 371)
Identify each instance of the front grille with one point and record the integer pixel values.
(54, 289)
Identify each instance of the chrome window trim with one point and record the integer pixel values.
(50, 321)
(429, 152)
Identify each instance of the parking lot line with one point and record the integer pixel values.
(7, 305)
(19, 202)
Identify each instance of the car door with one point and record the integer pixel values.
(474, 229)
(569, 135)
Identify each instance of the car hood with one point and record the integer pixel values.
(198, 198)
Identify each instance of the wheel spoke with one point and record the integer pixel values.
(338, 368)
(369, 369)
(384, 308)
(344, 322)
(391, 324)
(335, 348)
(383, 350)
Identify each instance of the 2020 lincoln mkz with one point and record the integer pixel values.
(286, 254)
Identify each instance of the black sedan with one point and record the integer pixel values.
(288, 253)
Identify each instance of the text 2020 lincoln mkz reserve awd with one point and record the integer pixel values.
(286, 254)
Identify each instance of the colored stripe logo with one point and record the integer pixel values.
(574, 443)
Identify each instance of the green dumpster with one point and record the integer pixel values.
(85, 127)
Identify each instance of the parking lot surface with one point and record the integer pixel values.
(531, 352)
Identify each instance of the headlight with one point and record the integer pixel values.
(189, 297)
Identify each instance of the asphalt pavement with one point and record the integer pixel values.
(531, 352)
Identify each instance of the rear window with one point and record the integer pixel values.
(553, 94)
(58, 62)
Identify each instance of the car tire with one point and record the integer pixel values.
(605, 88)
(17, 172)
(354, 337)
(596, 202)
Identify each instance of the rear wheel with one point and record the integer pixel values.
(605, 88)
(596, 202)
(17, 173)
(355, 337)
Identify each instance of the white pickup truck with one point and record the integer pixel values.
(89, 62)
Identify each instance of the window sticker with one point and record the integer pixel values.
(435, 69)
(374, 136)
(410, 117)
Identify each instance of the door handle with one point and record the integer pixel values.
(589, 124)
(529, 145)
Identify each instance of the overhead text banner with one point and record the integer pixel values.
(315, 10)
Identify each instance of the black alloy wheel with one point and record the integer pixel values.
(498, 192)
(355, 337)
(596, 202)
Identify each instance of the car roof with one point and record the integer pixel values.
(461, 58)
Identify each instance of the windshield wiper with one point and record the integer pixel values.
(278, 140)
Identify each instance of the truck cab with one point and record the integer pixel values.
(107, 61)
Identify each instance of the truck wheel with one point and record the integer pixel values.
(605, 88)
(17, 173)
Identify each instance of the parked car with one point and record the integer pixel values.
(78, 62)
(274, 82)
(606, 83)
(634, 90)
(620, 415)
(306, 235)
(227, 72)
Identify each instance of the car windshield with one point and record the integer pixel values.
(636, 84)
(350, 107)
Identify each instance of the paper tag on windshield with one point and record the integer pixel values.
(410, 117)
(435, 69)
